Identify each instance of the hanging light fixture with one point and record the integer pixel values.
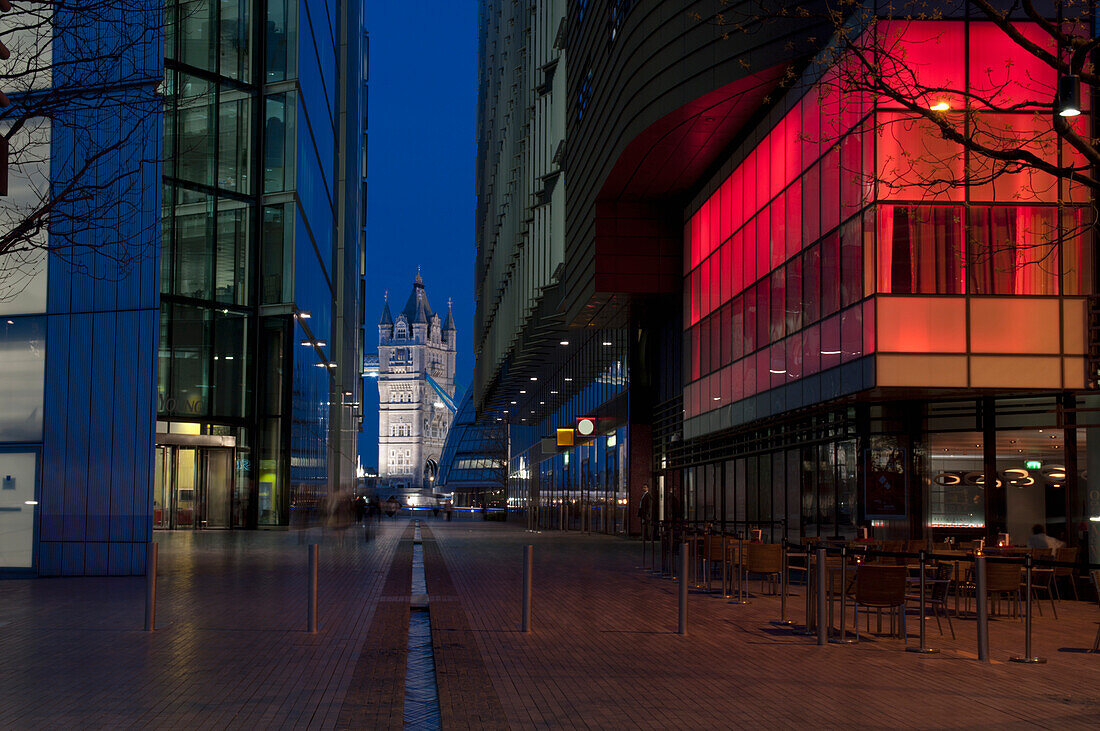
(1068, 102)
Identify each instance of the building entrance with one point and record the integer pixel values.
(194, 486)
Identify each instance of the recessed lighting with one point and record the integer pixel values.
(717, 398)
(553, 392)
(772, 370)
(522, 391)
(505, 411)
(830, 352)
(513, 403)
(542, 403)
(534, 378)
(607, 342)
(568, 379)
(564, 342)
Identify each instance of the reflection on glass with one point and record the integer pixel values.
(281, 31)
(194, 128)
(234, 141)
(22, 378)
(956, 495)
(279, 142)
(231, 270)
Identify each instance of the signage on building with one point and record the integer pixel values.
(586, 426)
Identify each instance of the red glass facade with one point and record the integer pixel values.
(846, 202)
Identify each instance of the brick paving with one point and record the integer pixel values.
(376, 693)
(604, 652)
(467, 698)
(231, 649)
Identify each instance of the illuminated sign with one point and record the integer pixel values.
(565, 437)
(1033, 464)
(586, 426)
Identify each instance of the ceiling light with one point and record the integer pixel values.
(564, 342)
(304, 315)
(534, 378)
(567, 380)
(607, 342)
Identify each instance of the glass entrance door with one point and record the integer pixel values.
(194, 487)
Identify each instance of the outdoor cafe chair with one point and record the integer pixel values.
(1065, 555)
(765, 559)
(1001, 580)
(936, 597)
(880, 587)
(1042, 579)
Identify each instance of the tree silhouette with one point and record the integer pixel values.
(83, 133)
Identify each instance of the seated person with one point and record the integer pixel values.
(1040, 539)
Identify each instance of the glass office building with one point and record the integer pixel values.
(189, 355)
(260, 263)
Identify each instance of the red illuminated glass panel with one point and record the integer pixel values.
(1003, 74)
(1012, 250)
(920, 249)
(913, 162)
(1005, 182)
(919, 56)
(1077, 252)
(851, 261)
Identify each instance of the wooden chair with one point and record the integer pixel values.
(1042, 579)
(765, 559)
(714, 553)
(880, 587)
(1001, 579)
(1067, 555)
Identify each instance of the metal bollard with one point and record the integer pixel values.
(528, 571)
(783, 621)
(151, 559)
(683, 629)
(982, 608)
(725, 569)
(822, 628)
(1027, 657)
(924, 649)
(312, 599)
(843, 639)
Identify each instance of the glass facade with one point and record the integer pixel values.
(847, 198)
(850, 231)
(247, 287)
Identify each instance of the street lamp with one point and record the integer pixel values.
(1068, 101)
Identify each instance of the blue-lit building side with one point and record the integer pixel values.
(96, 449)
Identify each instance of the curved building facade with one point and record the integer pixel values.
(772, 311)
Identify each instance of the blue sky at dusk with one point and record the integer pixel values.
(420, 170)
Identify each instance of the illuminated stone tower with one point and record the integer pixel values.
(413, 417)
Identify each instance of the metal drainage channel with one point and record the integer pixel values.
(421, 694)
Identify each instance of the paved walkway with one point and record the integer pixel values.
(231, 650)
